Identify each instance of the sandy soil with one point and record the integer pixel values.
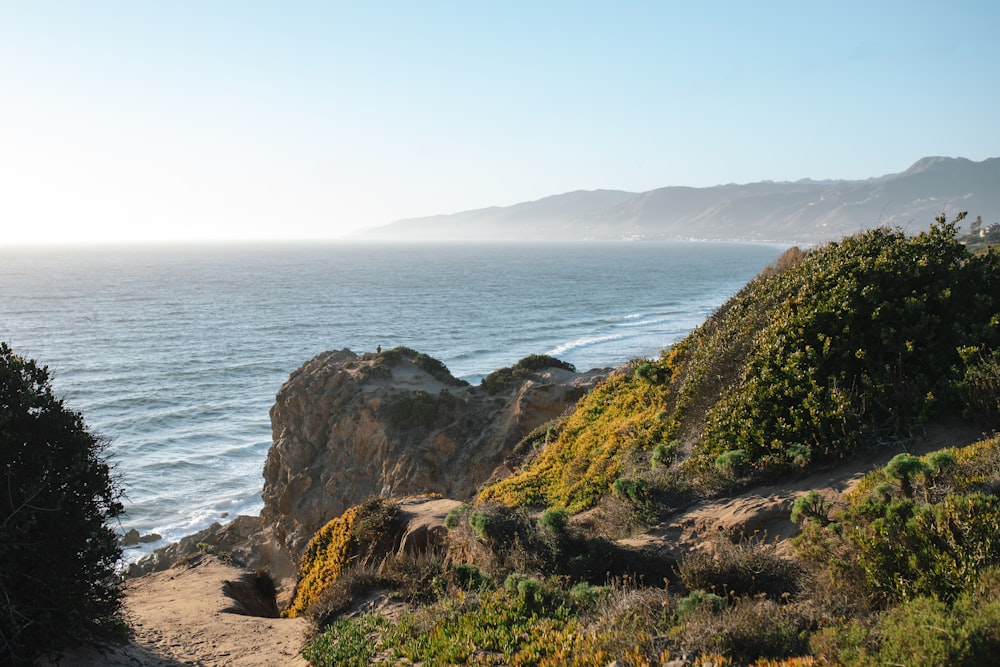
(177, 615)
(177, 618)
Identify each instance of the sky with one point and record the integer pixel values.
(245, 120)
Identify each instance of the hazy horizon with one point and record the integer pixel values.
(128, 122)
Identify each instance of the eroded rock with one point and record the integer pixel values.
(348, 427)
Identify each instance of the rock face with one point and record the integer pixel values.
(347, 427)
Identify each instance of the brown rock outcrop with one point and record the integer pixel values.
(347, 427)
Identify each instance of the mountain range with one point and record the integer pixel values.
(804, 211)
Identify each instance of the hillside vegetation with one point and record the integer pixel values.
(830, 352)
(853, 344)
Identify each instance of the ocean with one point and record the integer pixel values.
(174, 353)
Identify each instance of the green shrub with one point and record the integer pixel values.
(635, 490)
(586, 594)
(346, 642)
(731, 462)
(454, 516)
(921, 631)
(58, 494)
(638, 493)
(980, 383)
(902, 547)
(470, 578)
(652, 372)
(929, 632)
(421, 410)
(810, 506)
(481, 524)
(554, 521)
(699, 600)
(798, 454)
(855, 344)
(664, 454)
(903, 468)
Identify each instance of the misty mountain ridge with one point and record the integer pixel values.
(803, 211)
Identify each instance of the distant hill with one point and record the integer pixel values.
(805, 211)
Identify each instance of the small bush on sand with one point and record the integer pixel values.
(748, 567)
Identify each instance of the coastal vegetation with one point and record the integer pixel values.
(854, 344)
(831, 356)
(58, 495)
(852, 347)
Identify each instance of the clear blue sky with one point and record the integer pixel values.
(142, 120)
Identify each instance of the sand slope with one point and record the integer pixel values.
(177, 619)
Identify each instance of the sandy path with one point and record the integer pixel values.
(177, 619)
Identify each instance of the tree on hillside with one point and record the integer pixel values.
(58, 583)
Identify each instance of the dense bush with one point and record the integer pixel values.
(528, 621)
(918, 527)
(58, 555)
(420, 410)
(853, 343)
(921, 631)
(861, 342)
(980, 385)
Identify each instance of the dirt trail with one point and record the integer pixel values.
(177, 619)
(766, 509)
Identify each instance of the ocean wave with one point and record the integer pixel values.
(586, 341)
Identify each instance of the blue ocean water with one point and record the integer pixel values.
(175, 353)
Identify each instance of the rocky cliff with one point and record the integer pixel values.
(346, 427)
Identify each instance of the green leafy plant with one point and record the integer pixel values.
(454, 516)
(825, 353)
(903, 468)
(469, 577)
(664, 453)
(554, 521)
(698, 600)
(811, 506)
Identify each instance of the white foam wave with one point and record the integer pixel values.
(586, 341)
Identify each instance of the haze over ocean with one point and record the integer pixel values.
(175, 353)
